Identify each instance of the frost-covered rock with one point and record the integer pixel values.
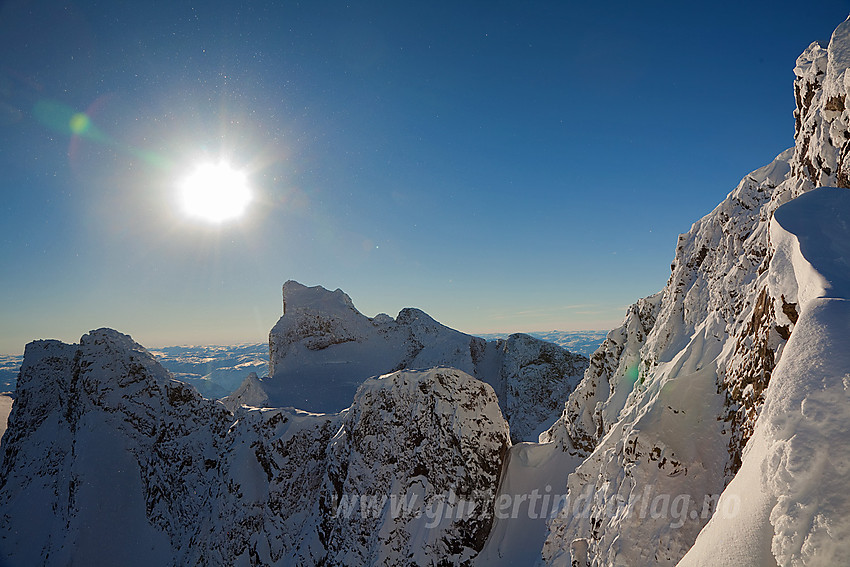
(103, 457)
(323, 348)
(822, 128)
(107, 456)
(673, 396)
(425, 449)
(788, 505)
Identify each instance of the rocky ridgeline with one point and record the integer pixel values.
(107, 456)
(672, 397)
(322, 349)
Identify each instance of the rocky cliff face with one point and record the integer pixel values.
(679, 387)
(107, 456)
(443, 481)
(822, 123)
(788, 502)
(532, 378)
(322, 349)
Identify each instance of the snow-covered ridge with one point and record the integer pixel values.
(322, 349)
(140, 468)
(793, 506)
(672, 398)
(220, 371)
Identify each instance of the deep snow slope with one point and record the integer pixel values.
(673, 396)
(109, 460)
(790, 497)
(323, 348)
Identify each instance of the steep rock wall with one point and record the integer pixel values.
(680, 386)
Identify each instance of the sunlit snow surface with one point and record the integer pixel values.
(791, 489)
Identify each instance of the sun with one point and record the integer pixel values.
(215, 192)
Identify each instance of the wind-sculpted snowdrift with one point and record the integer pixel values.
(673, 397)
(791, 492)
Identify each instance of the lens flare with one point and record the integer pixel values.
(79, 123)
(632, 373)
(80, 126)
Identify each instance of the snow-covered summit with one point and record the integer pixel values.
(297, 296)
(322, 349)
(822, 122)
(84, 474)
(316, 317)
(250, 393)
(381, 448)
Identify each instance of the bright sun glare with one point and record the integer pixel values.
(215, 192)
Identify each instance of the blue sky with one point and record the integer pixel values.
(505, 166)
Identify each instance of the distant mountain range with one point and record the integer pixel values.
(214, 370)
(218, 370)
(577, 342)
(10, 365)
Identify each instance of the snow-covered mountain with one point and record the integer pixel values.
(220, 371)
(108, 460)
(670, 404)
(711, 428)
(322, 349)
(215, 370)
